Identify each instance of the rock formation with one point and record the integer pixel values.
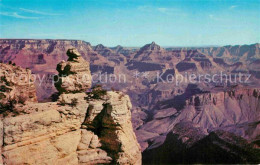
(74, 75)
(110, 54)
(187, 144)
(16, 86)
(157, 106)
(42, 57)
(150, 52)
(210, 111)
(110, 119)
(73, 130)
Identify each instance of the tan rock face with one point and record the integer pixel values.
(72, 130)
(111, 120)
(74, 75)
(57, 134)
(1, 140)
(16, 87)
(45, 137)
(16, 82)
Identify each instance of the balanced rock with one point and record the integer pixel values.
(74, 75)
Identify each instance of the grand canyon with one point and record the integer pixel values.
(138, 105)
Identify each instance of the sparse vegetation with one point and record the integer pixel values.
(62, 103)
(2, 88)
(55, 96)
(2, 96)
(74, 102)
(97, 92)
(9, 108)
(22, 99)
(3, 80)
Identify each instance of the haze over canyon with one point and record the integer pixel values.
(163, 110)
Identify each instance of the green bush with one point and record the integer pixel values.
(9, 108)
(97, 92)
(4, 80)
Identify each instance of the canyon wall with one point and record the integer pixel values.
(192, 116)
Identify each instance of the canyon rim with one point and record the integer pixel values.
(129, 82)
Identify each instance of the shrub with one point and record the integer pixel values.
(74, 102)
(11, 104)
(9, 108)
(97, 92)
(4, 80)
(62, 102)
(55, 96)
(5, 109)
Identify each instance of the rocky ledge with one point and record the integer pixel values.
(76, 129)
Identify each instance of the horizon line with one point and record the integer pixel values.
(163, 46)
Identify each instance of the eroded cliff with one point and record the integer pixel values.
(76, 129)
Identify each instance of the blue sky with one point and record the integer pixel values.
(134, 22)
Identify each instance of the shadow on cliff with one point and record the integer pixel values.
(211, 149)
(105, 128)
(179, 101)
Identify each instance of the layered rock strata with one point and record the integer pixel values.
(72, 130)
(74, 75)
(16, 84)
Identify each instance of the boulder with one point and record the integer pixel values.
(74, 75)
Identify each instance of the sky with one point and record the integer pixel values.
(134, 22)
